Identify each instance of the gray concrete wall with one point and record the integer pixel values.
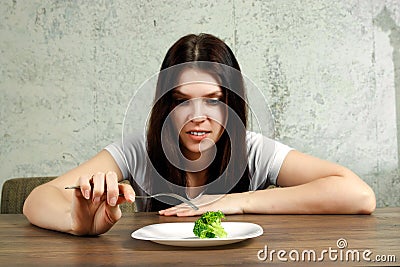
(329, 69)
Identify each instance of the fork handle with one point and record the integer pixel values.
(187, 202)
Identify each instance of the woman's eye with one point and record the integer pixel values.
(212, 101)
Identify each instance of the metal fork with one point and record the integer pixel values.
(178, 197)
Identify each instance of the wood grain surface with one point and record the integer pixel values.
(287, 239)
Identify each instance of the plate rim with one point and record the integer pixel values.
(257, 233)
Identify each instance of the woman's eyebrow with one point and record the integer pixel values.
(212, 94)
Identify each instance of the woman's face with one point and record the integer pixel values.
(199, 115)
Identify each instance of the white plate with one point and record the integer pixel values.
(181, 234)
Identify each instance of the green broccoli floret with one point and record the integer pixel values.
(209, 225)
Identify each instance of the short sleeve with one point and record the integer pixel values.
(265, 158)
(130, 156)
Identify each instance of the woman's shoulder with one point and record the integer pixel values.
(258, 140)
(128, 142)
(134, 141)
(252, 137)
(134, 137)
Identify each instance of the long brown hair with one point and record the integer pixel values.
(200, 50)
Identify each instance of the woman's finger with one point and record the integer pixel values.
(180, 209)
(98, 186)
(168, 212)
(113, 214)
(128, 192)
(189, 212)
(84, 183)
(112, 188)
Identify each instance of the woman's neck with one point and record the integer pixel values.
(195, 182)
(194, 179)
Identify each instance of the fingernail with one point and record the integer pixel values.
(87, 194)
(113, 201)
(96, 200)
(132, 198)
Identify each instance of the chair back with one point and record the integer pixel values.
(16, 190)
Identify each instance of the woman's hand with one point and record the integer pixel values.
(228, 204)
(95, 207)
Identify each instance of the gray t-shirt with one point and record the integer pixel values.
(265, 158)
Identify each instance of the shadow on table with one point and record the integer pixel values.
(143, 245)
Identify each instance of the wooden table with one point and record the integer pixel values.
(375, 237)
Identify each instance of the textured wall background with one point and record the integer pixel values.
(329, 69)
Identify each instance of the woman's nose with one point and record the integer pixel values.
(197, 112)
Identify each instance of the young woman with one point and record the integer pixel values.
(197, 146)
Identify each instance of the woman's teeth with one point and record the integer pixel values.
(198, 133)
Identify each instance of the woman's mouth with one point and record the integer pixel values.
(198, 135)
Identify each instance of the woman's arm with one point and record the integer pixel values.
(308, 186)
(89, 211)
(311, 185)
